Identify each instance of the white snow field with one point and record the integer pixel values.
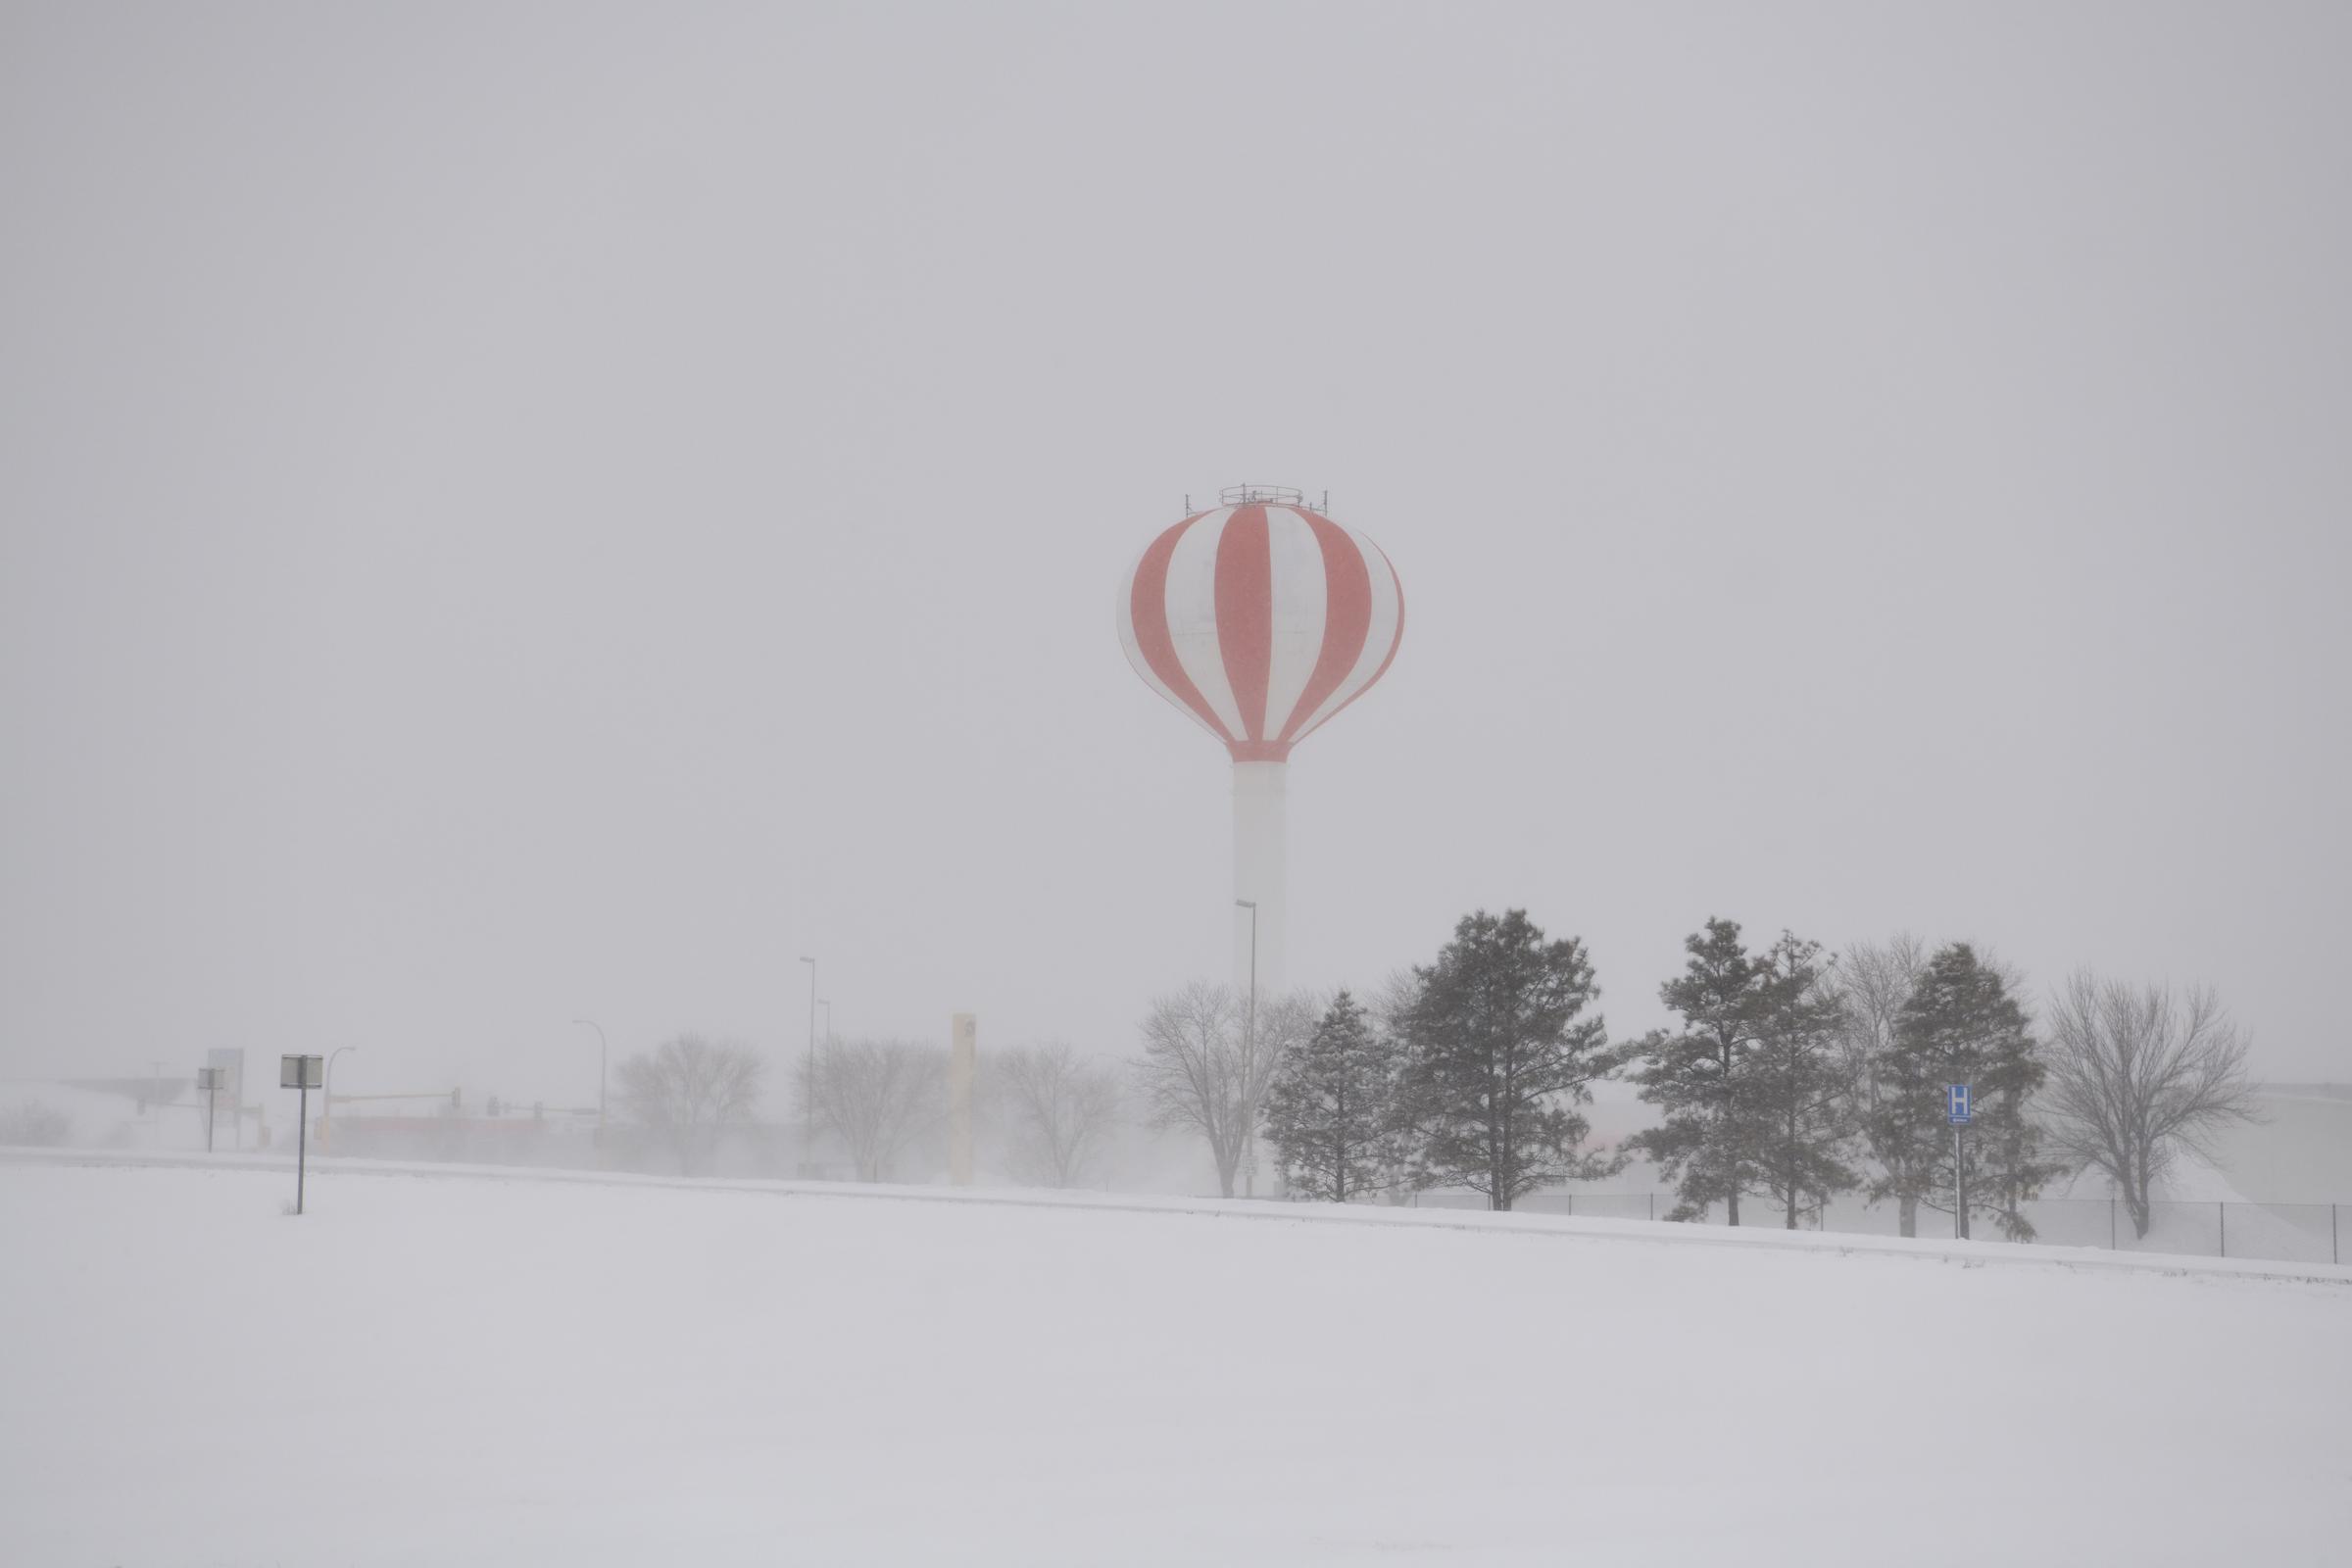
(475, 1370)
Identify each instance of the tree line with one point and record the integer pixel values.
(1049, 1111)
(1790, 1077)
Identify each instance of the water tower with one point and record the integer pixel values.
(1260, 618)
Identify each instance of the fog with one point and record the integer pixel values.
(516, 513)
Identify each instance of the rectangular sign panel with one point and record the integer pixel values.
(1955, 1103)
(298, 1072)
(230, 1063)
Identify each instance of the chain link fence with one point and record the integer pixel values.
(2288, 1232)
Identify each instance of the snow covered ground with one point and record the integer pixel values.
(475, 1370)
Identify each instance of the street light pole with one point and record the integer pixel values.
(326, 1099)
(1249, 1051)
(808, 1087)
(591, 1023)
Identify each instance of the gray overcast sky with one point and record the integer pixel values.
(510, 513)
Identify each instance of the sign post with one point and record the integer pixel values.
(303, 1073)
(207, 1079)
(230, 1063)
(1956, 1110)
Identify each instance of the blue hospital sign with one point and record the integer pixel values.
(1955, 1103)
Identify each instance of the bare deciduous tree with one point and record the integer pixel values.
(878, 1096)
(1057, 1109)
(1386, 1006)
(1876, 979)
(30, 1123)
(2137, 1076)
(1204, 1067)
(690, 1090)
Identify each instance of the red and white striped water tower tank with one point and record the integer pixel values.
(1261, 618)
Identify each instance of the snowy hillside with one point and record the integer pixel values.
(463, 1370)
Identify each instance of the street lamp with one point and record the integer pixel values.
(326, 1099)
(1249, 1049)
(808, 1088)
(591, 1023)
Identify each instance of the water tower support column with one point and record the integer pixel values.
(1258, 873)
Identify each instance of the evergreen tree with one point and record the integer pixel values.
(1798, 1108)
(1906, 1126)
(1332, 1113)
(1700, 1077)
(1499, 1058)
(1962, 1026)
